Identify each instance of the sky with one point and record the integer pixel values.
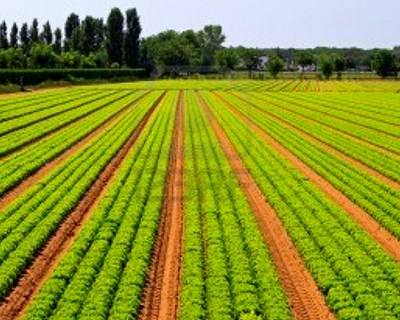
(256, 23)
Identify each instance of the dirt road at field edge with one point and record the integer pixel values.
(305, 299)
(161, 295)
(30, 283)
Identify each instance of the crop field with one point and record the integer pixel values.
(201, 200)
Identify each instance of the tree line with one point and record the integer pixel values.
(88, 43)
(116, 42)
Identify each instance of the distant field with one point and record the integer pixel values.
(201, 200)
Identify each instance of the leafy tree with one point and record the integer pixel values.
(275, 65)
(250, 58)
(211, 38)
(226, 59)
(24, 38)
(305, 58)
(99, 34)
(72, 23)
(47, 34)
(12, 58)
(131, 39)
(384, 63)
(34, 32)
(14, 36)
(339, 65)
(74, 43)
(42, 56)
(69, 59)
(88, 35)
(3, 36)
(115, 38)
(326, 66)
(58, 41)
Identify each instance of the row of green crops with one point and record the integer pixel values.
(381, 162)
(317, 108)
(358, 278)
(341, 126)
(19, 138)
(27, 223)
(102, 276)
(227, 271)
(80, 101)
(19, 165)
(39, 110)
(379, 200)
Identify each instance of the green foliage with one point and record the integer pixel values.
(211, 39)
(226, 59)
(34, 32)
(3, 36)
(47, 34)
(327, 66)
(131, 38)
(42, 56)
(275, 66)
(384, 63)
(14, 36)
(115, 36)
(305, 58)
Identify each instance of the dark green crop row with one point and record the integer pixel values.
(27, 223)
(21, 164)
(102, 276)
(227, 271)
(357, 277)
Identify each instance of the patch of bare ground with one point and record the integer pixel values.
(17, 191)
(304, 296)
(42, 266)
(161, 295)
(365, 221)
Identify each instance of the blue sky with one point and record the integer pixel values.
(261, 23)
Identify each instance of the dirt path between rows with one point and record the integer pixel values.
(40, 270)
(161, 295)
(331, 149)
(304, 296)
(364, 220)
(17, 191)
(383, 149)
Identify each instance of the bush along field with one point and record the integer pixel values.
(201, 199)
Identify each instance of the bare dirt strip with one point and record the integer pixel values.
(378, 232)
(161, 295)
(306, 300)
(17, 191)
(391, 153)
(329, 148)
(43, 265)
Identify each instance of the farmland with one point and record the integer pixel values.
(201, 199)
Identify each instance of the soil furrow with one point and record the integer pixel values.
(42, 266)
(161, 295)
(368, 223)
(17, 191)
(304, 296)
(328, 147)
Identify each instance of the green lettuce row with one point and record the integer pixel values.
(18, 124)
(20, 138)
(363, 133)
(95, 264)
(358, 279)
(53, 102)
(28, 222)
(26, 100)
(381, 162)
(358, 108)
(15, 168)
(379, 200)
(240, 281)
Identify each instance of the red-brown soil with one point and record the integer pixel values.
(380, 234)
(30, 283)
(49, 166)
(161, 296)
(304, 296)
